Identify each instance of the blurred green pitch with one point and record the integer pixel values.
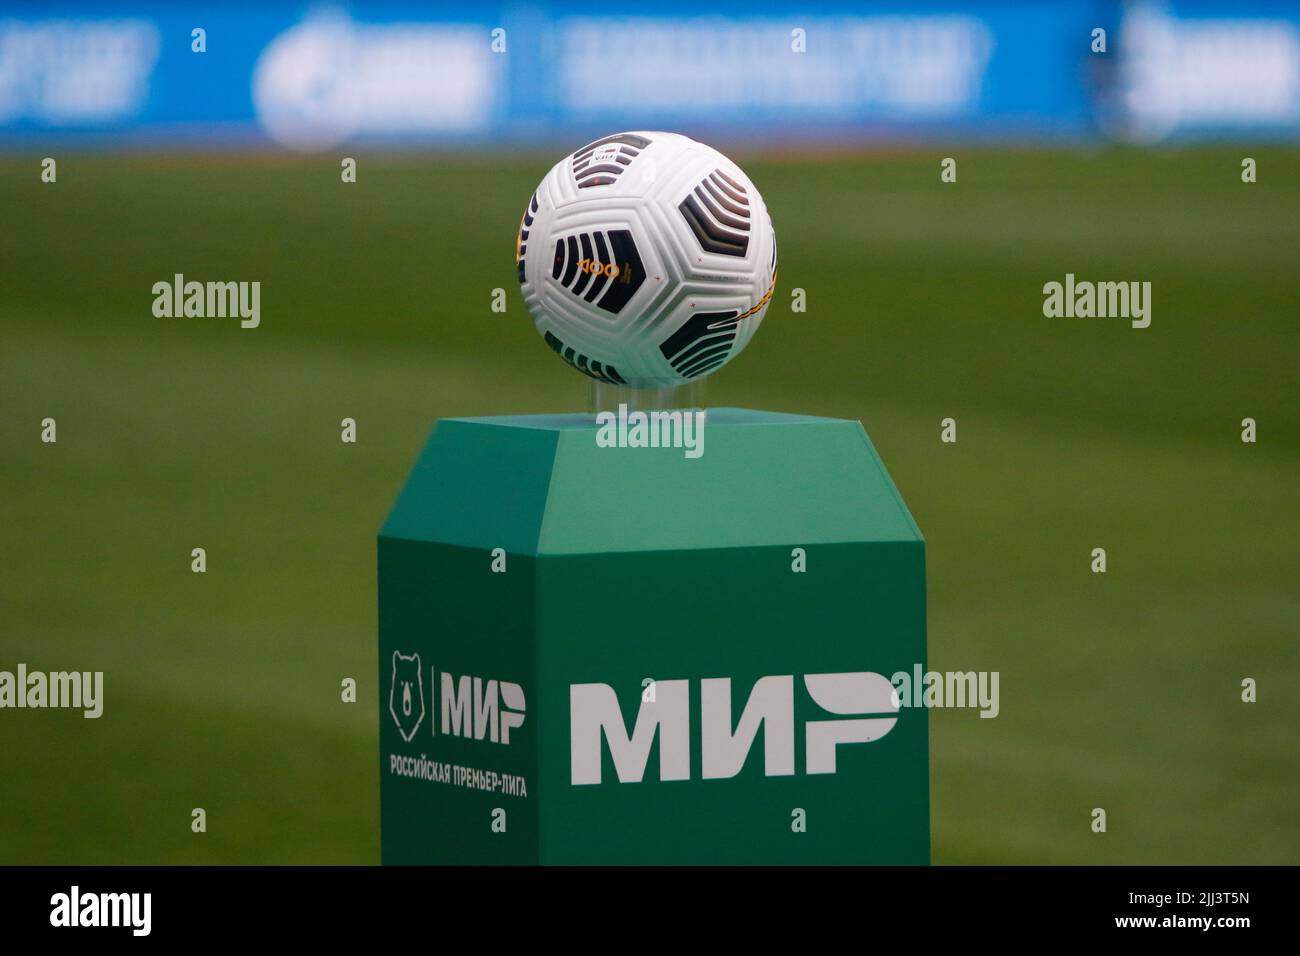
(222, 690)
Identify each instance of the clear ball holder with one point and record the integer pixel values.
(606, 397)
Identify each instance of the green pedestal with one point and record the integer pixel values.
(648, 671)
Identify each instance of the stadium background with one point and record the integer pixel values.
(923, 302)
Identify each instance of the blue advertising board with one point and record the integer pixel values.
(317, 77)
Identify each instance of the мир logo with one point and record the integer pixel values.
(406, 697)
(867, 699)
(471, 707)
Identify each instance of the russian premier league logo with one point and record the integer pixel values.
(406, 697)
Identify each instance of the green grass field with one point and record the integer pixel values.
(1119, 690)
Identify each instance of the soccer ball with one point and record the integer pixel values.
(646, 259)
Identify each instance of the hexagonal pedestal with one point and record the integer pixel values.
(626, 655)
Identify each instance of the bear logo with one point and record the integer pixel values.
(406, 698)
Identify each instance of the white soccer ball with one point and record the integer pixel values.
(646, 259)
